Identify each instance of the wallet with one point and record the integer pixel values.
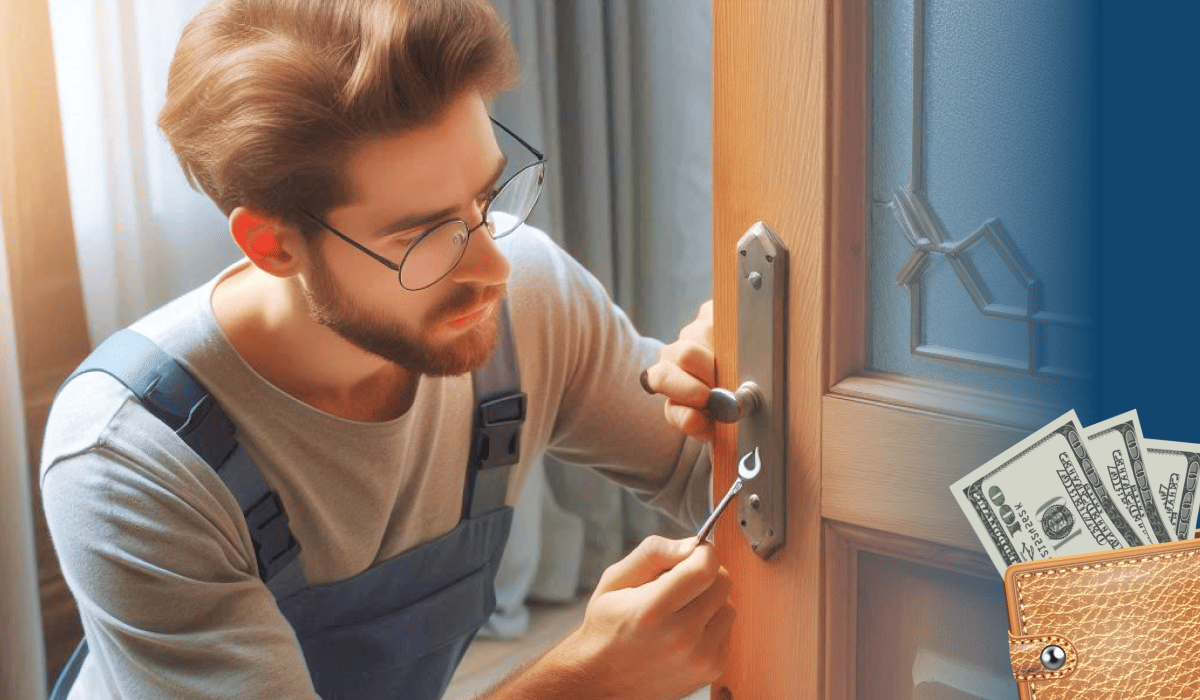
(1113, 625)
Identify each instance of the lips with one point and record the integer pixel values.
(471, 318)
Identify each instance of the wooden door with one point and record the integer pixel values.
(882, 590)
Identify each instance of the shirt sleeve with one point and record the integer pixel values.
(163, 575)
(590, 356)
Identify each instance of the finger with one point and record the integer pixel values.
(689, 421)
(694, 357)
(687, 580)
(644, 564)
(701, 329)
(697, 614)
(678, 386)
(714, 640)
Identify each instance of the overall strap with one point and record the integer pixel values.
(499, 415)
(171, 394)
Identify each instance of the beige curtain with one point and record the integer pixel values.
(22, 656)
(43, 336)
(618, 95)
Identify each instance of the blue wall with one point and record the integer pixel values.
(1150, 266)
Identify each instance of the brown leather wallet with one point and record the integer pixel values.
(1112, 625)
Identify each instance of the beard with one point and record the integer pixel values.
(407, 347)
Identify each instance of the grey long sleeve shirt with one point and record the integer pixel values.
(156, 550)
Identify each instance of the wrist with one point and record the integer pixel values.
(569, 669)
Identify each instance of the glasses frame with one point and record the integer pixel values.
(394, 267)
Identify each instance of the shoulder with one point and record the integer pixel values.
(97, 422)
(112, 472)
(80, 416)
(538, 262)
(550, 286)
(95, 410)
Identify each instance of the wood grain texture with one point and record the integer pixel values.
(770, 148)
(911, 549)
(949, 400)
(850, 138)
(841, 613)
(39, 238)
(843, 544)
(927, 633)
(890, 468)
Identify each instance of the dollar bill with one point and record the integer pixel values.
(1043, 497)
(1173, 468)
(1116, 447)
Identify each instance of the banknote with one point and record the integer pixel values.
(1043, 497)
(1173, 468)
(1116, 447)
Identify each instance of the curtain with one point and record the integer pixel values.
(617, 93)
(143, 236)
(22, 655)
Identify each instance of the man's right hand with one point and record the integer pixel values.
(658, 623)
(656, 628)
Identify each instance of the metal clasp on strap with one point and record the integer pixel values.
(499, 434)
(272, 537)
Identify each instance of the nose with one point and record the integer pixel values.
(482, 262)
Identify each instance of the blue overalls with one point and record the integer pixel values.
(398, 629)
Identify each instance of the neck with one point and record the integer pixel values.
(267, 321)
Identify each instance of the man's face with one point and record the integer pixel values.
(403, 185)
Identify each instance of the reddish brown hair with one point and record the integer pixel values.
(268, 99)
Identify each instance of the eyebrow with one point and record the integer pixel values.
(416, 220)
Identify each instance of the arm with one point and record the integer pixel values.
(166, 592)
(582, 357)
(656, 627)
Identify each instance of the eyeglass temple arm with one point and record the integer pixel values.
(523, 142)
(391, 265)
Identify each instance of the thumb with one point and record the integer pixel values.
(646, 563)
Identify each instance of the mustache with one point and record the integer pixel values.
(466, 299)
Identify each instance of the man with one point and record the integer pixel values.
(350, 146)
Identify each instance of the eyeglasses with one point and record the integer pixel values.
(438, 250)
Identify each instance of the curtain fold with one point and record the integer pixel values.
(143, 236)
(22, 653)
(618, 94)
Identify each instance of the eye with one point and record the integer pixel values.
(404, 239)
(485, 198)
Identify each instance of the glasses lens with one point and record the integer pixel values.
(435, 254)
(516, 199)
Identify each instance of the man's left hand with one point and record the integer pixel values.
(685, 373)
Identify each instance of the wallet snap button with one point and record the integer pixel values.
(1053, 657)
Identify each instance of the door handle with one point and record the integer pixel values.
(725, 406)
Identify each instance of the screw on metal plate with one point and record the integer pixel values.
(726, 694)
(1053, 657)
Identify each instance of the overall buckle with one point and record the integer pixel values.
(499, 436)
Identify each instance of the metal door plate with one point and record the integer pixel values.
(762, 359)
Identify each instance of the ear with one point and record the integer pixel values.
(273, 247)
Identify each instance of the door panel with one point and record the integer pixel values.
(982, 183)
(946, 652)
(882, 581)
(769, 160)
